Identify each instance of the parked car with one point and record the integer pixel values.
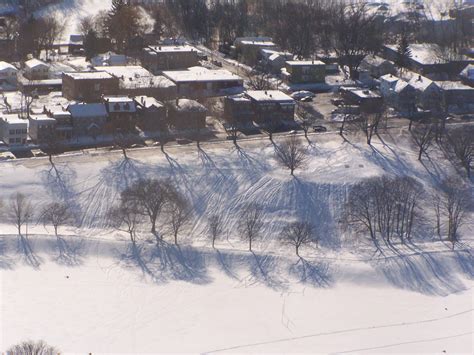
(183, 141)
(337, 102)
(300, 95)
(307, 99)
(293, 131)
(319, 129)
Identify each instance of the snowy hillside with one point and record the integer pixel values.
(343, 296)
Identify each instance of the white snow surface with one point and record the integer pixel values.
(342, 297)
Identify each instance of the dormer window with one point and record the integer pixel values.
(126, 107)
(117, 107)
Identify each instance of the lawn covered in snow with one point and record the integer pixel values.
(341, 296)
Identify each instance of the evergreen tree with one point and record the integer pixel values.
(403, 52)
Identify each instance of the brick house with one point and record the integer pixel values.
(160, 58)
(89, 86)
(301, 72)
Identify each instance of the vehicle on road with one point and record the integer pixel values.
(300, 95)
(319, 129)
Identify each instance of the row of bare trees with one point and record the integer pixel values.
(389, 208)
(457, 143)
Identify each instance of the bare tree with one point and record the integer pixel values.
(307, 119)
(369, 123)
(423, 136)
(385, 207)
(298, 234)
(257, 80)
(461, 144)
(291, 154)
(57, 214)
(251, 222)
(32, 348)
(455, 199)
(179, 213)
(123, 141)
(149, 197)
(21, 211)
(354, 33)
(215, 227)
(126, 218)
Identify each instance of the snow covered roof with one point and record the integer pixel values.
(186, 105)
(120, 104)
(172, 49)
(42, 118)
(147, 101)
(389, 78)
(13, 119)
(35, 63)
(87, 110)
(255, 41)
(134, 76)
(200, 74)
(453, 85)
(304, 62)
(89, 75)
(269, 95)
(420, 82)
(239, 98)
(401, 86)
(5, 65)
(362, 93)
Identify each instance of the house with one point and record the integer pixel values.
(429, 96)
(377, 66)
(88, 119)
(403, 97)
(43, 86)
(109, 59)
(76, 44)
(387, 84)
(8, 73)
(160, 58)
(271, 106)
(35, 69)
(367, 100)
(13, 130)
(135, 80)
(186, 114)
(151, 114)
(122, 113)
(63, 118)
(302, 72)
(89, 86)
(199, 82)
(42, 128)
(467, 75)
(238, 109)
(273, 61)
(247, 49)
(458, 98)
(428, 59)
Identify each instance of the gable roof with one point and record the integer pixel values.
(5, 65)
(34, 63)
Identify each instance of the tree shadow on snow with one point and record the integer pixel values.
(316, 274)
(424, 272)
(264, 270)
(26, 252)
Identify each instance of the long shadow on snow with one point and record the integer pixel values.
(316, 274)
(264, 269)
(422, 272)
(113, 179)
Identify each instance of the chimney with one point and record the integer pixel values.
(419, 77)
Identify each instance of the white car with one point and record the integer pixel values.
(299, 95)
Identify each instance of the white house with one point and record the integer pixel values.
(8, 73)
(13, 130)
(35, 69)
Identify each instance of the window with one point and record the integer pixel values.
(126, 107)
(117, 107)
(17, 140)
(11, 140)
(11, 132)
(18, 131)
(96, 87)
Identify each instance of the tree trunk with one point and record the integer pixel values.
(250, 244)
(297, 250)
(176, 238)
(420, 153)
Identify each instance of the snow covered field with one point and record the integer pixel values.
(341, 297)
